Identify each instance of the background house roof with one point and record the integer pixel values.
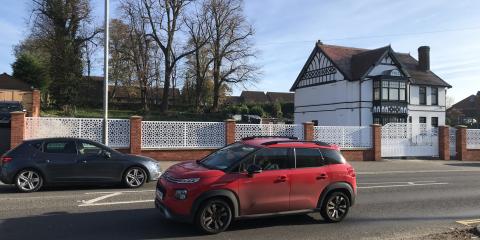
(254, 97)
(282, 97)
(9, 82)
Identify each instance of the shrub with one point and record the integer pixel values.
(257, 110)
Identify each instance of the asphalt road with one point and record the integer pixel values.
(396, 200)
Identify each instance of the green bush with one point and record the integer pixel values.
(243, 109)
(257, 110)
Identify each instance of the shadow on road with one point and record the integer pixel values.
(79, 187)
(121, 224)
(464, 164)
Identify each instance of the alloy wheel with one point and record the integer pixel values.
(28, 181)
(337, 207)
(216, 217)
(135, 177)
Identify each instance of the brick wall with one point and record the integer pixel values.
(17, 130)
(463, 153)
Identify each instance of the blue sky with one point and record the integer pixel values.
(286, 32)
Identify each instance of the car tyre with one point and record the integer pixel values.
(134, 177)
(214, 216)
(28, 180)
(335, 207)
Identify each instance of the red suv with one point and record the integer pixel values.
(258, 176)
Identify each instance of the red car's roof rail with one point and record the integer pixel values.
(323, 144)
(254, 137)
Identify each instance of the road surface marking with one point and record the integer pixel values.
(469, 222)
(421, 171)
(93, 201)
(402, 184)
(96, 201)
(139, 191)
(114, 203)
(378, 183)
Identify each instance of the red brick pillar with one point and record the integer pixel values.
(461, 143)
(17, 130)
(35, 103)
(308, 131)
(229, 131)
(377, 142)
(136, 134)
(444, 142)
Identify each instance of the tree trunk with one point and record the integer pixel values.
(166, 87)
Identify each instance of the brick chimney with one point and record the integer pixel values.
(424, 58)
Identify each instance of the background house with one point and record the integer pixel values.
(465, 112)
(13, 89)
(260, 97)
(353, 87)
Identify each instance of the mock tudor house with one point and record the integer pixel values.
(357, 87)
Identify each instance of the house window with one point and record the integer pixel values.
(423, 120)
(394, 86)
(423, 95)
(409, 119)
(384, 90)
(434, 96)
(434, 121)
(376, 90)
(403, 91)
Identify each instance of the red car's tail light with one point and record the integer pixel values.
(6, 159)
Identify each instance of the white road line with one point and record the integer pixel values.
(92, 201)
(139, 191)
(380, 183)
(470, 222)
(421, 171)
(410, 184)
(114, 203)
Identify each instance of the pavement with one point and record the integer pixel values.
(397, 199)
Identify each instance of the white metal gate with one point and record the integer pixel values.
(409, 140)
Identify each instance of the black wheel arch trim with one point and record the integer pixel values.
(217, 193)
(337, 186)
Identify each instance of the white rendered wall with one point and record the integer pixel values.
(335, 104)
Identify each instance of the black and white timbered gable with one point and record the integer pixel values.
(319, 69)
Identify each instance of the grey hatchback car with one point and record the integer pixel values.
(39, 162)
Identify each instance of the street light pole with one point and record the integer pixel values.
(105, 72)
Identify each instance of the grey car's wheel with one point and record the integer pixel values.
(214, 216)
(335, 208)
(28, 181)
(135, 177)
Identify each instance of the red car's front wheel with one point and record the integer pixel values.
(214, 216)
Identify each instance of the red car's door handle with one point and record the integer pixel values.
(282, 179)
(322, 176)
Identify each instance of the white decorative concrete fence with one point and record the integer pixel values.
(171, 135)
(473, 138)
(88, 128)
(346, 137)
(249, 130)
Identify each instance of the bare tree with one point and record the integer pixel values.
(197, 27)
(230, 46)
(164, 17)
(141, 48)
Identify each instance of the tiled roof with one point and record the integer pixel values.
(354, 63)
(281, 97)
(254, 97)
(9, 82)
